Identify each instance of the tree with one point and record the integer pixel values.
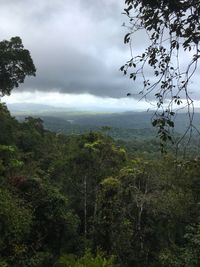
(15, 64)
(172, 29)
(8, 126)
(15, 226)
(99, 260)
(92, 157)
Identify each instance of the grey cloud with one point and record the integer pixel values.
(75, 72)
(71, 44)
(77, 46)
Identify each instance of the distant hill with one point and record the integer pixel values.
(124, 125)
(29, 108)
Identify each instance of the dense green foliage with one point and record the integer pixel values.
(16, 63)
(87, 260)
(87, 200)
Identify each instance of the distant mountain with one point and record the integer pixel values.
(70, 121)
(28, 108)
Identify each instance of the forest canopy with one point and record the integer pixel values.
(83, 199)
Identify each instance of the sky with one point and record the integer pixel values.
(77, 48)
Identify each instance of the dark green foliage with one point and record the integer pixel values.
(37, 223)
(142, 213)
(15, 225)
(16, 63)
(40, 170)
(87, 260)
(62, 195)
(54, 224)
(7, 126)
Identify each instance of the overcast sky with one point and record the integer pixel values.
(77, 47)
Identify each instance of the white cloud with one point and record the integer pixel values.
(83, 102)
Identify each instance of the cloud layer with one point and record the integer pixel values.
(86, 102)
(77, 46)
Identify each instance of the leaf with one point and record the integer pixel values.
(154, 123)
(127, 38)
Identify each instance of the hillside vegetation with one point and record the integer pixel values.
(87, 200)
